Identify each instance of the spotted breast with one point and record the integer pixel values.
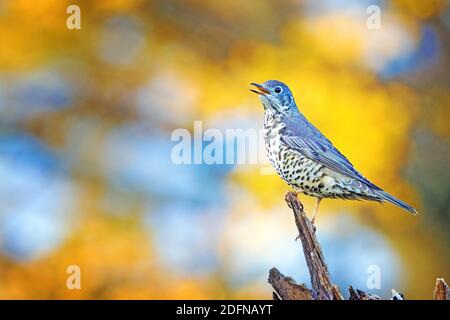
(302, 174)
(305, 158)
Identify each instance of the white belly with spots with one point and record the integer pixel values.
(301, 173)
(305, 175)
(272, 141)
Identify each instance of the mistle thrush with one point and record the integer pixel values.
(304, 158)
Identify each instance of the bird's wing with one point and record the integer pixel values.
(315, 146)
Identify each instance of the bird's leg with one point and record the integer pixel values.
(316, 209)
(296, 195)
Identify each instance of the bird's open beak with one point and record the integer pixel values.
(260, 89)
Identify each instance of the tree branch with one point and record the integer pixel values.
(441, 292)
(322, 288)
(361, 295)
(285, 288)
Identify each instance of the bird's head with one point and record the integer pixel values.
(275, 96)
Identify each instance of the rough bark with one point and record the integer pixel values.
(285, 288)
(361, 295)
(322, 288)
(442, 291)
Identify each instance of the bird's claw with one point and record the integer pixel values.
(313, 225)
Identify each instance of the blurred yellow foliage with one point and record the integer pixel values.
(206, 53)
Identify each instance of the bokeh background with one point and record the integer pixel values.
(86, 118)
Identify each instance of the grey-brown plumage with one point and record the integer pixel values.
(305, 158)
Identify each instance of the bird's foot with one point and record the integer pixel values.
(298, 203)
(287, 198)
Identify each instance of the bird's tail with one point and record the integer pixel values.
(387, 197)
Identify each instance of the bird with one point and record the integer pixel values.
(305, 159)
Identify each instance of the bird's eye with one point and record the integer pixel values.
(278, 89)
